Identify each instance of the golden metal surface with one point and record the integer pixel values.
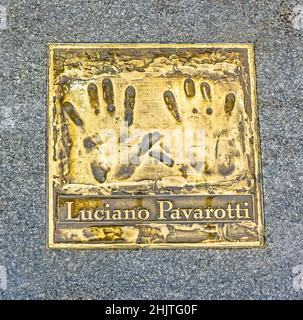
(153, 145)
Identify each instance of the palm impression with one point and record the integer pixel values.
(173, 121)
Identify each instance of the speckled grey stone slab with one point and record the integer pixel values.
(33, 271)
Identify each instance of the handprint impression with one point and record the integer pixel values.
(221, 149)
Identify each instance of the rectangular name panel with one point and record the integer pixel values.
(148, 209)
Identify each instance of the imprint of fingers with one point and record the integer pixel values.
(147, 142)
(190, 92)
(100, 169)
(148, 145)
(225, 160)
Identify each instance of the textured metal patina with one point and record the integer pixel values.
(153, 200)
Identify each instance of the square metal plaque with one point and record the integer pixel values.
(153, 145)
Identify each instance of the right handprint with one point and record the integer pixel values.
(154, 127)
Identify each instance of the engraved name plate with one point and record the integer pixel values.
(153, 146)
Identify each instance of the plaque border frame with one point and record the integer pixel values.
(50, 165)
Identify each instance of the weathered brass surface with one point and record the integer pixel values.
(143, 101)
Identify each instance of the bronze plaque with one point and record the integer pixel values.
(153, 146)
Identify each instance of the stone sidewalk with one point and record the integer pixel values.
(32, 270)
